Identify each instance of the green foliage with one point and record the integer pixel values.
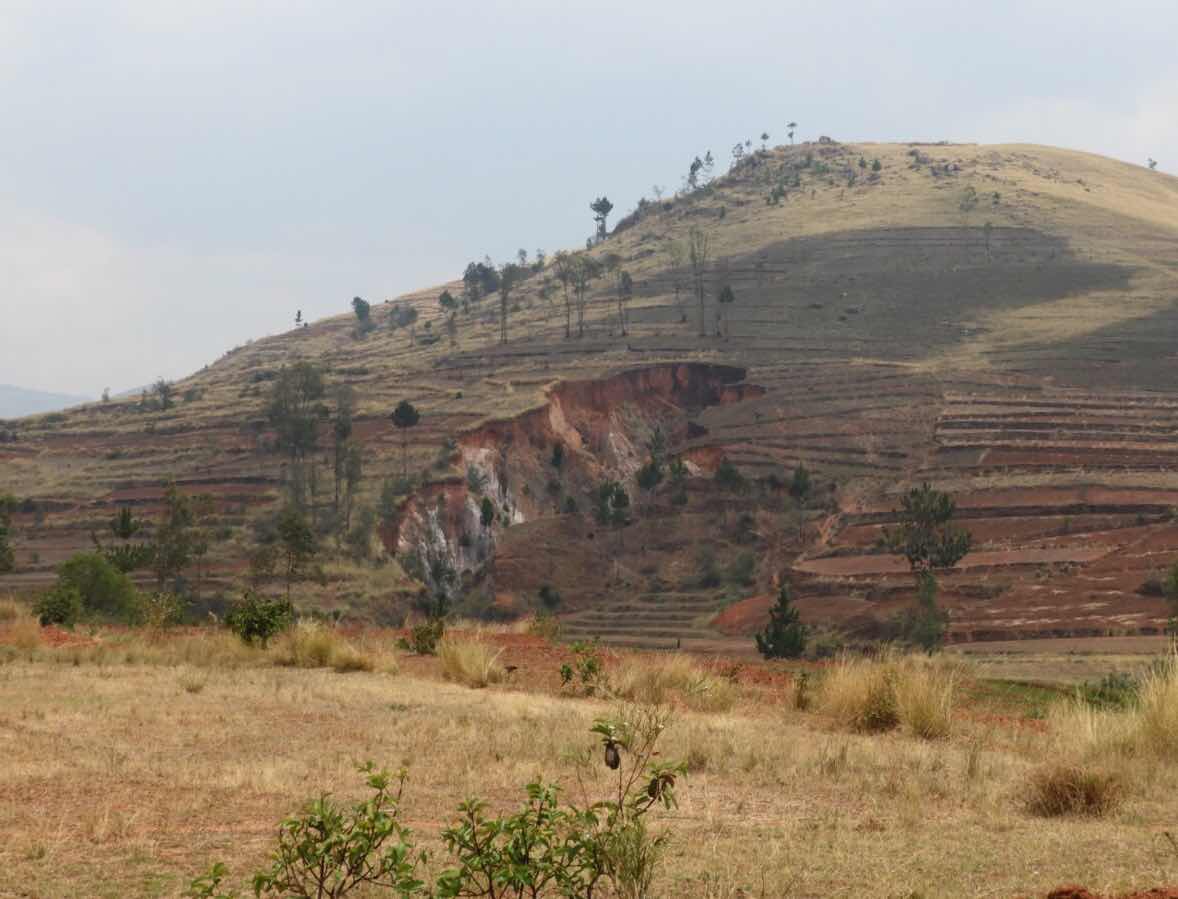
(7, 556)
(256, 619)
(105, 591)
(297, 544)
(545, 849)
(60, 605)
(557, 455)
(173, 547)
(424, 638)
(293, 410)
(800, 484)
(1117, 690)
(784, 637)
(925, 624)
(447, 302)
(612, 504)
(160, 610)
(330, 850)
(925, 535)
(549, 597)
(743, 569)
(649, 475)
(728, 477)
(486, 512)
(405, 417)
(586, 672)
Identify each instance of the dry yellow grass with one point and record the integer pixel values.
(19, 625)
(672, 678)
(893, 690)
(470, 662)
(116, 781)
(310, 644)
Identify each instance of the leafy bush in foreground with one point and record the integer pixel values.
(546, 849)
(257, 619)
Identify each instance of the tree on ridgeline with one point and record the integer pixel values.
(509, 276)
(927, 538)
(363, 310)
(601, 208)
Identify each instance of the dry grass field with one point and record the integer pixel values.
(129, 764)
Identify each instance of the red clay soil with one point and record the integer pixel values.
(1072, 891)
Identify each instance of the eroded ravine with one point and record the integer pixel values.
(550, 459)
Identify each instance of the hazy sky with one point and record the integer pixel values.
(176, 178)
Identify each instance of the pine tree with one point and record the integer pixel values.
(784, 637)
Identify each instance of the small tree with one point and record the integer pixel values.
(800, 484)
(1170, 588)
(791, 127)
(601, 208)
(784, 637)
(7, 556)
(404, 417)
(363, 310)
(673, 253)
(486, 513)
(173, 543)
(297, 542)
(1152, 163)
(586, 270)
(928, 540)
(764, 140)
(612, 507)
(725, 299)
(698, 249)
(447, 302)
(164, 392)
(509, 276)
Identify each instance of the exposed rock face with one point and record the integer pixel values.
(550, 459)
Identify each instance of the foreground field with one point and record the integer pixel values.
(124, 773)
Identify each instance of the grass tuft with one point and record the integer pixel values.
(1068, 789)
(19, 626)
(470, 662)
(673, 677)
(879, 694)
(312, 645)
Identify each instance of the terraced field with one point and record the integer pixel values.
(996, 320)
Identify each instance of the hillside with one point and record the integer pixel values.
(995, 319)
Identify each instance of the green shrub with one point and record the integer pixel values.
(784, 637)
(423, 638)
(1116, 691)
(62, 605)
(546, 849)
(105, 591)
(256, 619)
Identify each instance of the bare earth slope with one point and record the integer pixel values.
(998, 320)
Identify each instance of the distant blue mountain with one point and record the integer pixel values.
(18, 401)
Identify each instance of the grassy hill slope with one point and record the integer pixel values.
(996, 319)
